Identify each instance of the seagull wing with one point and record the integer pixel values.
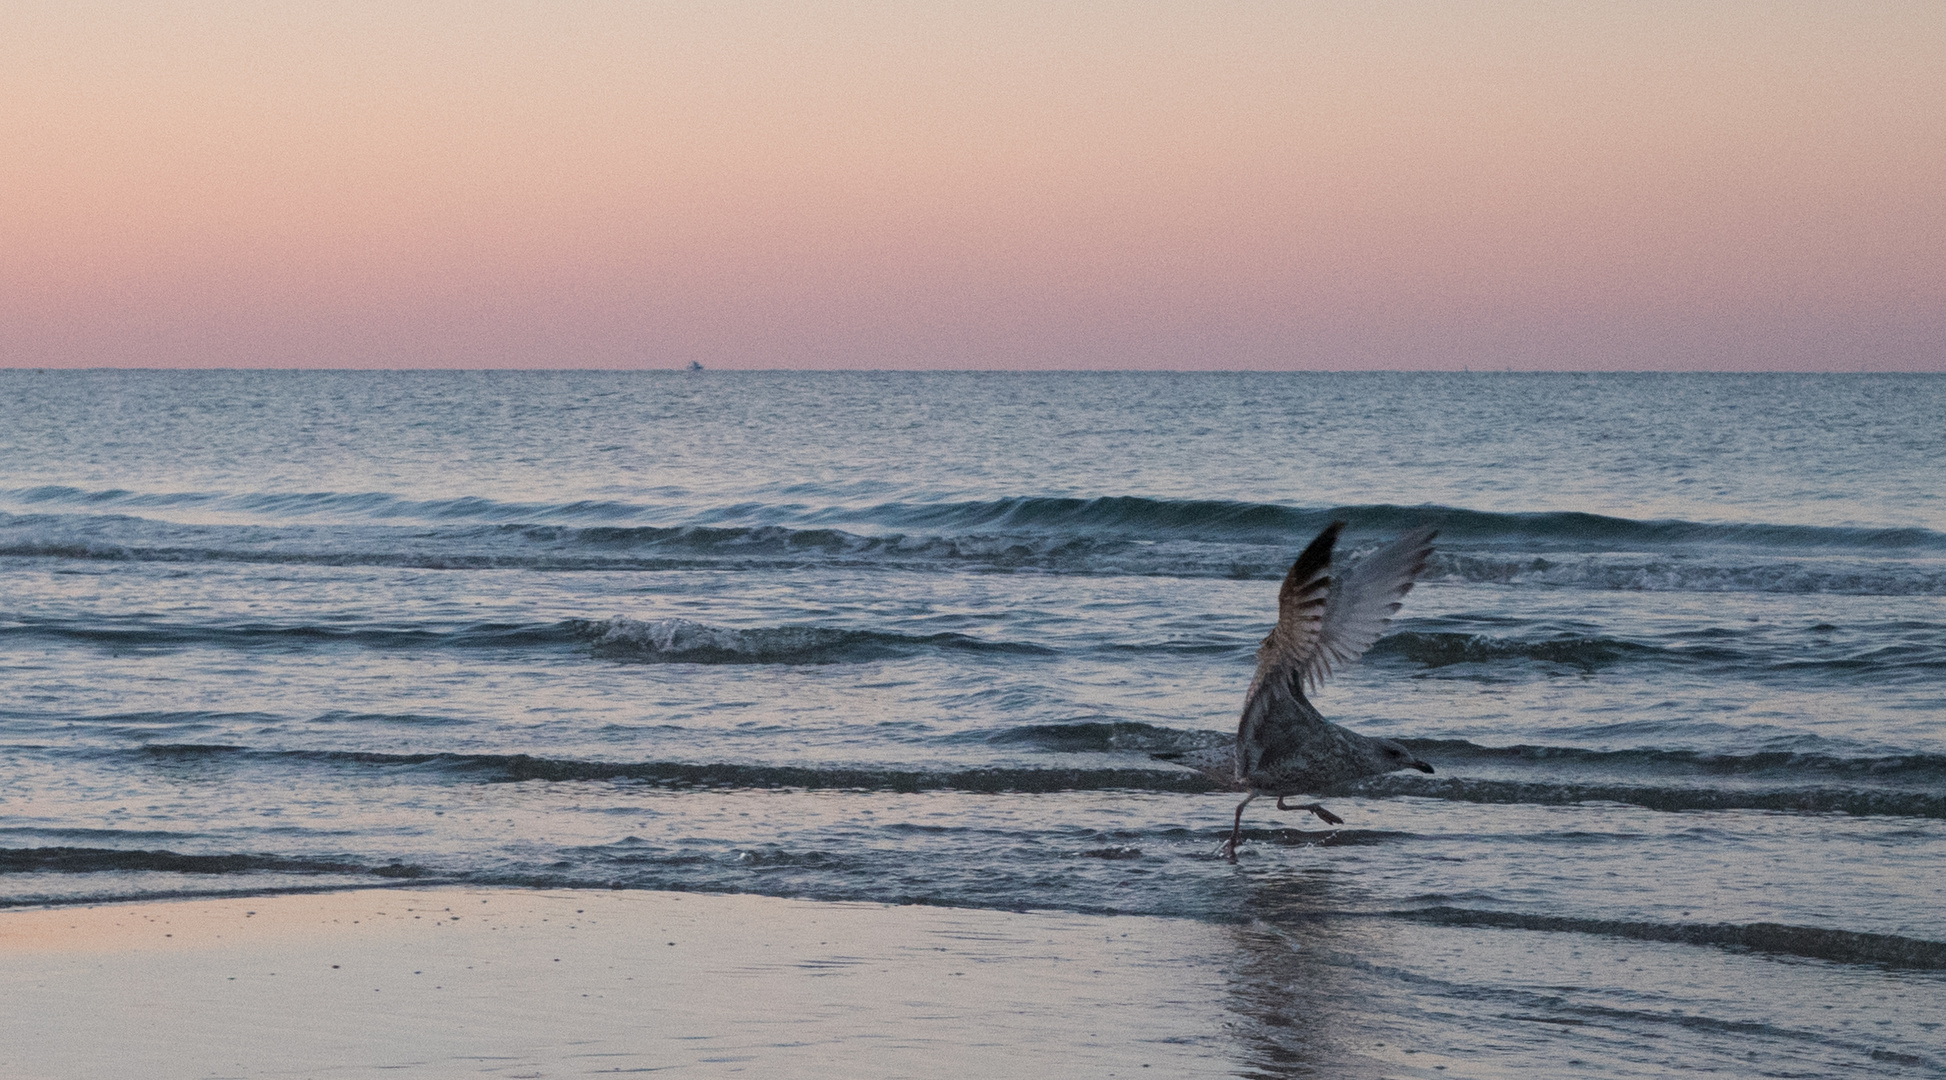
(1301, 612)
(1270, 712)
(1362, 605)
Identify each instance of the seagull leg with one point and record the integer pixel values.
(1329, 817)
(1236, 830)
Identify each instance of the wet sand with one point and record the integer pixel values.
(466, 982)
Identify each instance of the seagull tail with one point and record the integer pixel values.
(1219, 763)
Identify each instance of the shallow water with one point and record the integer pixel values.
(1680, 660)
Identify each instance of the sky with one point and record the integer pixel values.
(995, 184)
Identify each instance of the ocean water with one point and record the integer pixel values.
(1679, 659)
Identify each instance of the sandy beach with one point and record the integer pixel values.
(463, 982)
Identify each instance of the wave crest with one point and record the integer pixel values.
(80, 860)
(1107, 736)
(1842, 946)
(1804, 793)
(1122, 535)
(1446, 649)
(685, 641)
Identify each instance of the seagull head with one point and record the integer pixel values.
(1395, 756)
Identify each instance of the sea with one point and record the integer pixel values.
(1679, 660)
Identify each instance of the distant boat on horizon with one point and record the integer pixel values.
(695, 365)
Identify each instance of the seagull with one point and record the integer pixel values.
(1284, 747)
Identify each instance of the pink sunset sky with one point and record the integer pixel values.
(1670, 186)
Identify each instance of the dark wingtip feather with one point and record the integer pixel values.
(1315, 557)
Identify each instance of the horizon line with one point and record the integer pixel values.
(685, 370)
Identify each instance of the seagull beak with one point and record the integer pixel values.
(1422, 766)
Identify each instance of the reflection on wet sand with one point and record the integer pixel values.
(1322, 980)
(1297, 998)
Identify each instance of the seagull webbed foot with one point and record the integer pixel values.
(1329, 817)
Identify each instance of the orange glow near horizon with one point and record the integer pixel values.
(1660, 186)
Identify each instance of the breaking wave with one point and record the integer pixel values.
(1858, 802)
(1110, 536)
(369, 505)
(1841, 946)
(1916, 768)
(1908, 785)
(1106, 736)
(520, 768)
(1870, 787)
(79, 860)
(1218, 520)
(1211, 519)
(1918, 650)
(1129, 736)
(151, 635)
(1446, 649)
(917, 524)
(1922, 651)
(621, 638)
(684, 641)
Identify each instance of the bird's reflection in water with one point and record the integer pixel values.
(1299, 998)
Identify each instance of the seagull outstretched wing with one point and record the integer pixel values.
(1363, 603)
(1301, 602)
